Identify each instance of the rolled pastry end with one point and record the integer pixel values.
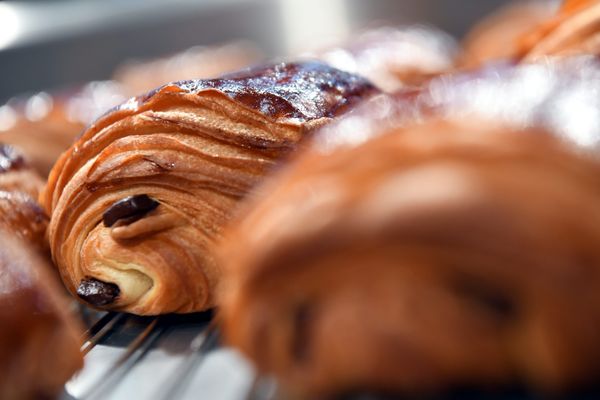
(123, 287)
(116, 288)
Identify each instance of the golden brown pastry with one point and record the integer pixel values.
(573, 30)
(44, 126)
(39, 339)
(196, 62)
(497, 37)
(19, 188)
(461, 251)
(393, 57)
(139, 199)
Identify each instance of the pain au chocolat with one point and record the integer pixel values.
(140, 76)
(393, 58)
(137, 202)
(39, 339)
(44, 125)
(19, 188)
(431, 241)
(498, 36)
(574, 29)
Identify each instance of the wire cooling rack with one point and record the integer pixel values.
(165, 357)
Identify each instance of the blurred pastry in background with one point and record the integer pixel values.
(429, 241)
(199, 62)
(558, 95)
(44, 125)
(19, 188)
(392, 58)
(138, 201)
(497, 37)
(39, 339)
(16, 174)
(575, 29)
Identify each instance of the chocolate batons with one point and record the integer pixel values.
(407, 257)
(139, 199)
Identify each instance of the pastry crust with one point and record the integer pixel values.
(196, 62)
(438, 238)
(431, 257)
(39, 339)
(498, 36)
(19, 187)
(44, 125)
(573, 30)
(393, 58)
(195, 147)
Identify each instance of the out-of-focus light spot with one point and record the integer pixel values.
(8, 118)
(575, 115)
(38, 106)
(10, 25)
(306, 28)
(93, 101)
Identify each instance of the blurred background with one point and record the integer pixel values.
(51, 44)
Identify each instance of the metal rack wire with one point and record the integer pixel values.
(188, 340)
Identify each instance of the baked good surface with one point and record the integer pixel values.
(19, 187)
(433, 257)
(571, 31)
(440, 238)
(196, 62)
(45, 125)
(139, 199)
(557, 94)
(39, 339)
(498, 36)
(393, 58)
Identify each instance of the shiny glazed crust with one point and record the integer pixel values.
(195, 147)
(432, 257)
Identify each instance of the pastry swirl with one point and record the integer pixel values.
(194, 148)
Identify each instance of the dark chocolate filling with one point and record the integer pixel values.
(130, 209)
(98, 293)
(303, 316)
(496, 302)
